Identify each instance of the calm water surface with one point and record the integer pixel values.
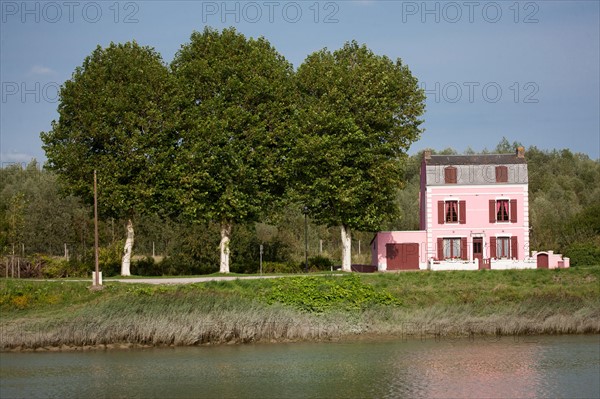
(512, 367)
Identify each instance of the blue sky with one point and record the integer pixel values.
(529, 71)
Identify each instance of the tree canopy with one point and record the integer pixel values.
(237, 106)
(360, 114)
(115, 117)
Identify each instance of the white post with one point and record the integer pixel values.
(99, 280)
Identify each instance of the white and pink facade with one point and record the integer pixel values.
(474, 214)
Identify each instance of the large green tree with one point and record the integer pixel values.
(115, 117)
(360, 114)
(237, 111)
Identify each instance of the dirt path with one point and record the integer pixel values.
(185, 280)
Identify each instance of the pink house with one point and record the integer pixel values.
(474, 214)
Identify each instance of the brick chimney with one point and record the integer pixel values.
(520, 152)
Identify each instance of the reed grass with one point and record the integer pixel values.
(66, 314)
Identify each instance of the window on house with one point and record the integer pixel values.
(451, 248)
(503, 247)
(501, 174)
(450, 175)
(503, 210)
(451, 211)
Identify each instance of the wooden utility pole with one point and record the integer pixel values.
(96, 261)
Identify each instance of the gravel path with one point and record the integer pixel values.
(185, 280)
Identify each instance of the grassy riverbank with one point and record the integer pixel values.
(40, 314)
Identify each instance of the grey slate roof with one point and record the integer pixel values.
(483, 159)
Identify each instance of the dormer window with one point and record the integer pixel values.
(450, 175)
(501, 174)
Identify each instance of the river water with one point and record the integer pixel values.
(510, 367)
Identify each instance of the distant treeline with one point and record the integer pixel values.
(36, 218)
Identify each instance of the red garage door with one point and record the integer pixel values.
(402, 256)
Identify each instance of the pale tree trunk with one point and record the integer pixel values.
(126, 262)
(346, 249)
(225, 238)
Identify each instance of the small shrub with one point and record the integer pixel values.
(182, 265)
(59, 268)
(320, 263)
(282, 267)
(20, 302)
(109, 259)
(146, 267)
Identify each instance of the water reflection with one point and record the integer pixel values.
(466, 369)
(541, 367)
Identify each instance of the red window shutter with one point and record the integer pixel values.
(501, 174)
(462, 212)
(513, 211)
(492, 247)
(441, 212)
(514, 247)
(450, 175)
(492, 211)
(440, 248)
(463, 248)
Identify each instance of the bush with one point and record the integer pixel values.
(282, 267)
(146, 267)
(59, 267)
(183, 264)
(585, 253)
(320, 263)
(109, 259)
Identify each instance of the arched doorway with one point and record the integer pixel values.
(542, 261)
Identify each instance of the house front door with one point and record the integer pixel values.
(478, 250)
